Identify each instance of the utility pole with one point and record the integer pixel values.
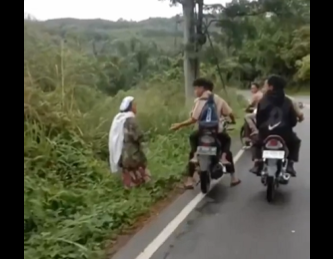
(193, 41)
(189, 68)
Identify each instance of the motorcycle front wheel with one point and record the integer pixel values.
(245, 144)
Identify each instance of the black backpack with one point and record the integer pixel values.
(209, 117)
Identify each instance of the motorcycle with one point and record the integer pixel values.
(209, 153)
(274, 174)
(245, 132)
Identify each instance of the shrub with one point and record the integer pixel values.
(72, 204)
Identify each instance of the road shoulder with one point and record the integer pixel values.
(139, 241)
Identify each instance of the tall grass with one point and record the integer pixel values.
(73, 206)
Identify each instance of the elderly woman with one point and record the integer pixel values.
(125, 146)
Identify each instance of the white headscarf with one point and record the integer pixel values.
(116, 135)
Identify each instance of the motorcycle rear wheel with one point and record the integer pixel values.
(271, 189)
(204, 182)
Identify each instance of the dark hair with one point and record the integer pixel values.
(278, 82)
(255, 84)
(205, 83)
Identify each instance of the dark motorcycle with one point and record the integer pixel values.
(209, 153)
(274, 155)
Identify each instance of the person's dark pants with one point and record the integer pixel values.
(225, 141)
(292, 141)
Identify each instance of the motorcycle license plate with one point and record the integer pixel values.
(208, 151)
(273, 154)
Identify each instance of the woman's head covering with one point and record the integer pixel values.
(126, 104)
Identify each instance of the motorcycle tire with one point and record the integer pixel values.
(204, 182)
(271, 189)
(245, 144)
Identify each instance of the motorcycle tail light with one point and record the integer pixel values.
(207, 140)
(274, 144)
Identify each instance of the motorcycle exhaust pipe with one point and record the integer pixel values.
(286, 177)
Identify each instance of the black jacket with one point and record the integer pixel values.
(271, 100)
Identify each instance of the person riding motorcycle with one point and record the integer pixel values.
(203, 89)
(277, 111)
(250, 118)
(257, 96)
(299, 113)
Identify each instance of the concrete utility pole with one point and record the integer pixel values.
(192, 43)
(189, 69)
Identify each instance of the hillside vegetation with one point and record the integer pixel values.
(73, 85)
(251, 40)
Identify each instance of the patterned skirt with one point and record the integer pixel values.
(135, 177)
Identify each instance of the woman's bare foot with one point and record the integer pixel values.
(189, 184)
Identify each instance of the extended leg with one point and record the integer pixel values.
(227, 157)
(250, 122)
(225, 141)
(191, 166)
(257, 155)
(294, 146)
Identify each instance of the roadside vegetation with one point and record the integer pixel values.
(74, 81)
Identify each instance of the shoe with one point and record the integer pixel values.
(290, 169)
(256, 169)
(189, 184)
(194, 160)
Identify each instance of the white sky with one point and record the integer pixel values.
(104, 9)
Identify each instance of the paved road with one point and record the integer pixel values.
(238, 223)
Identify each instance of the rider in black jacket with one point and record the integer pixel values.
(276, 116)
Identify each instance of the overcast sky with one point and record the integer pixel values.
(104, 9)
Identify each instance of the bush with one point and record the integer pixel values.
(72, 204)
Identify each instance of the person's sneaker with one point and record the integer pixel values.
(290, 169)
(256, 169)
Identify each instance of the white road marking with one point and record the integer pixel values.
(149, 251)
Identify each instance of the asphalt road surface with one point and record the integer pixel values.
(238, 223)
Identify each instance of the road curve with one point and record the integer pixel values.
(238, 223)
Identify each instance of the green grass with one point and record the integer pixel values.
(73, 206)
